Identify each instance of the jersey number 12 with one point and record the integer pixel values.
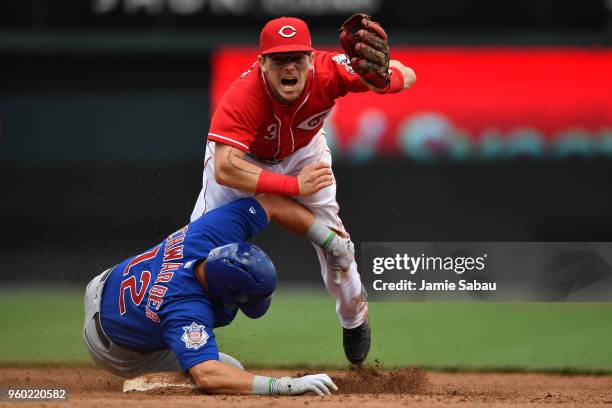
(130, 283)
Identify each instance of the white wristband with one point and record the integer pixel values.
(263, 385)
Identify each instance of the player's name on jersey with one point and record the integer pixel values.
(423, 285)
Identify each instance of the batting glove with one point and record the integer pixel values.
(319, 384)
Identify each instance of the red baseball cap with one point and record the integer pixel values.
(285, 34)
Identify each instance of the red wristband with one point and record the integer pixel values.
(275, 183)
(396, 82)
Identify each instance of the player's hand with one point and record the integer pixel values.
(407, 73)
(373, 88)
(319, 384)
(314, 177)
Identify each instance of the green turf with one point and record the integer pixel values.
(302, 329)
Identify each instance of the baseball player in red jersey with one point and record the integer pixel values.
(266, 136)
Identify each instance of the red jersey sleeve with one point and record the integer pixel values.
(235, 120)
(343, 78)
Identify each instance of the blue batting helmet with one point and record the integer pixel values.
(242, 275)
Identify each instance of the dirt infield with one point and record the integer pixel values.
(369, 388)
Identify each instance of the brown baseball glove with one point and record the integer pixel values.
(366, 44)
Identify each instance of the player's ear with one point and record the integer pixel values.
(310, 60)
(262, 63)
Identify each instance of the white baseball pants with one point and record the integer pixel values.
(350, 306)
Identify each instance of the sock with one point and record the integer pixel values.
(320, 234)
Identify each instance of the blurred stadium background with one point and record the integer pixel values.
(507, 136)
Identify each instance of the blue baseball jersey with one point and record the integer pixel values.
(153, 301)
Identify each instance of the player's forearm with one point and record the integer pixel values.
(402, 77)
(287, 213)
(407, 73)
(215, 377)
(232, 170)
(218, 378)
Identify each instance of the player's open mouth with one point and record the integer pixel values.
(289, 82)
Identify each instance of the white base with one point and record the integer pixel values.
(155, 381)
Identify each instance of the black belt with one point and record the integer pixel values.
(103, 338)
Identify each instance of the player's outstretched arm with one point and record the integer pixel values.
(219, 378)
(216, 377)
(366, 45)
(409, 78)
(232, 170)
(407, 72)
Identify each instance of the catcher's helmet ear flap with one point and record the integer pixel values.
(242, 275)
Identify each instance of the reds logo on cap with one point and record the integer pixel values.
(287, 31)
(285, 34)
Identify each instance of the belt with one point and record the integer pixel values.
(264, 160)
(103, 338)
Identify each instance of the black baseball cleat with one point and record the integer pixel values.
(356, 343)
